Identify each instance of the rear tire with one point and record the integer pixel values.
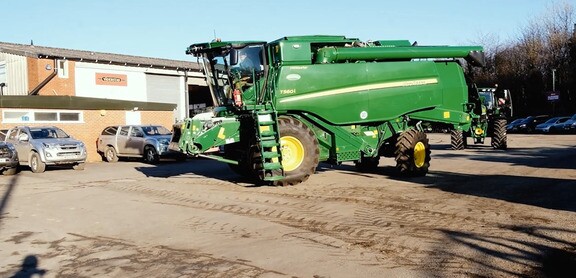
(110, 155)
(457, 140)
(412, 153)
(499, 138)
(300, 152)
(36, 164)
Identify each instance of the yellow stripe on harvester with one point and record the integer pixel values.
(385, 85)
(221, 133)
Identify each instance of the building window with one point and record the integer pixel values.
(41, 116)
(45, 116)
(62, 66)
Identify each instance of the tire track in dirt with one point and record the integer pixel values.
(83, 256)
(385, 228)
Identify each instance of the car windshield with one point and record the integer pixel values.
(156, 130)
(517, 121)
(48, 132)
(551, 121)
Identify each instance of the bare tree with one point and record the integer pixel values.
(526, 65)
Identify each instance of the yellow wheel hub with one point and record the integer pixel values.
(419, 154)
(292, 152)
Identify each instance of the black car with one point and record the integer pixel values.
(529, 124)
(513, 125)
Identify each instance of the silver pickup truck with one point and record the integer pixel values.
(8, 159)
(41, 146)
(149, 142)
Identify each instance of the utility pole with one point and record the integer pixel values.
(553, 80)
(553, 91)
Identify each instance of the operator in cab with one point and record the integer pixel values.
(244, 62)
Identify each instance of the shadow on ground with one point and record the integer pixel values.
(543, 255)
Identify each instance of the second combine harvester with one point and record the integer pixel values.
(282, 107)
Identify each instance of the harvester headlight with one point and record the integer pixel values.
(479, 131)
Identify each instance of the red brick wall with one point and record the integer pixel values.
(96, 120)
(37, 73)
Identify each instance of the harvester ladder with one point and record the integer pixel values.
(269, 143)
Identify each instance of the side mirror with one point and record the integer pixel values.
(23, 137)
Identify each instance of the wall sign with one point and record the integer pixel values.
(111, 79)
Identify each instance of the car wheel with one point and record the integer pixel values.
(79, 166)
(150, 155)
(10, 172)
(110, 155)
(36, 164)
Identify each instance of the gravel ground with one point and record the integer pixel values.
(478, 213)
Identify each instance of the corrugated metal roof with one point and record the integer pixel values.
(36, 51)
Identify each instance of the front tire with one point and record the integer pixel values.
(151, 155)
(412, 153)
(36, 164)
(79, 166)
(10, 171)
(300, 152)
(367, 164)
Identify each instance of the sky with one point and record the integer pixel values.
(164, 28)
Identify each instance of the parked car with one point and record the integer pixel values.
(513, 125)
(149, 142)
(39, 147)
(545, 127)
(3, 134)
(8, 159)
(529, 124)
(565, 127)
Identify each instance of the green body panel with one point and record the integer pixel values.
(355, 97)
(196, 139)
(357, 93)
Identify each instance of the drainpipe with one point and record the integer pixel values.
(45, 81)
(186, 95)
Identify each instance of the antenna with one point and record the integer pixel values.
(214, 33)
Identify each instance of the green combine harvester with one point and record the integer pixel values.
(282, 107)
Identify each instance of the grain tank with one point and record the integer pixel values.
(282, 107)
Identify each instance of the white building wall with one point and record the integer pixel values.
(86, 82)
(15, 74)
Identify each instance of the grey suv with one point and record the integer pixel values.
(149, 142)
(47, 145)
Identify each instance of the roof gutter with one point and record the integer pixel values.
(45, 81)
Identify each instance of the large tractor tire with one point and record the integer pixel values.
(300, 152)
(412, 153)
(499, 140)
(248, 161)
(457, 140)
(367, 164)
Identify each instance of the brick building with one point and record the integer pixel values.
(82, 92)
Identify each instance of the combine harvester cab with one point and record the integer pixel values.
(282, 107)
